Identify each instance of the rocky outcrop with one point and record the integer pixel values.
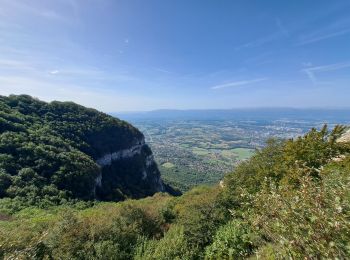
(131, 171)
(345, 138)
(107, 159)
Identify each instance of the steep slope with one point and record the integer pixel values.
(61, 150)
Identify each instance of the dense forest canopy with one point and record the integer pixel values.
(48, 151)
(290, 200)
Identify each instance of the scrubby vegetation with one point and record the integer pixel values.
(290, 200)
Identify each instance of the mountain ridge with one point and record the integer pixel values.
(335, 114)
(67, 151)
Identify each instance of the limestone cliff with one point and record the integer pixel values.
(130, 172)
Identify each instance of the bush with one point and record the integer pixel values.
(173, 245)
(312, 221)
(232, 241)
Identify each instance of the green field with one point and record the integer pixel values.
(200, 151)
(243, 153)
(168, 165)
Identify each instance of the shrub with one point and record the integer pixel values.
(232, 241)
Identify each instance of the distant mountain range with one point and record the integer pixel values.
(314, 114)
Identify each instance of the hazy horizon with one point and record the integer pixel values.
(232, 108)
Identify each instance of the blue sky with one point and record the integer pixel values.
(150, 54)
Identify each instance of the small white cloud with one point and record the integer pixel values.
(53, 72)
(162, 70)
(126, 41)
(238, 83)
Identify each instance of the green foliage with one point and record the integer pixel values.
(312, 221)
(250, 174)
(104, 231)
(232, 241)
(79, 238)
(284, 162)
(48, 151)
(199, 212)
(308, 154)
(295, 196)
(5, 182)
(183, 179)
(173, 245)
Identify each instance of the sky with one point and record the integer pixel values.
(136, 55)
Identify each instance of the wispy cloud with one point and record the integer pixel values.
(63, 12)
(335, 66)
(311, 76)
(260, 58)
(268, 38)
(239, 83)
(162, 70)
(312, 71)
(331, 30)
(317, 38)
(11, 64)
(15, 7)
(281, 27)
(258, 42)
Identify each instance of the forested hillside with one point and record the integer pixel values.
(54, 153)
(290, 200)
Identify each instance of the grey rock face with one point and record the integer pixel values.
(128, 171)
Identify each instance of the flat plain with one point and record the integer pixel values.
(194, 152)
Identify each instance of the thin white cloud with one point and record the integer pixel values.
(239, 83)
(334, 66)
(308, 40)
(258, 42)
(282, 30)
(311, 71)
(333, 29)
